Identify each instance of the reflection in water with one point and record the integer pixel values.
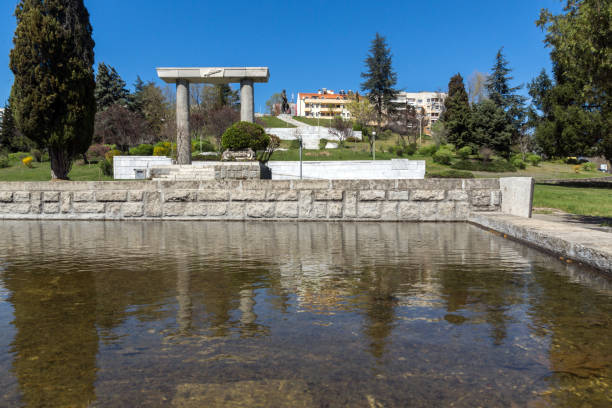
(273, 314)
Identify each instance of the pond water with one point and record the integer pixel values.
(122, 314)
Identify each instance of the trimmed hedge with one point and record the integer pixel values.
(450, 174)
(497, 166)
(245, 135)
(442, 157)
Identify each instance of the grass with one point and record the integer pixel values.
(314, 121)
(575, 200)
(42, 172)
(274, 122)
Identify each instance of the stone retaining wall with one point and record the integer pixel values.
(392, 200)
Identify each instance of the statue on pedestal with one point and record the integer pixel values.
(285, 105)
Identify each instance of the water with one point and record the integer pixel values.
(183, 314)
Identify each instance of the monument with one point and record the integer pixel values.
(285, 104)
(182, 77)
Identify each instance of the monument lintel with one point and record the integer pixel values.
(213, 75)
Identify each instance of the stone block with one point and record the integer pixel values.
(35, 202)
(66, 202)
(21, 196)
(14, 208)
(427, 195)
(196, 209)
(495, 197)
(132, 209)
(457, 195)
(152, 206)
(135, 195)
(480, 198)
(260, 210)
(282, 195)
(174, 209)
(50, 208)
(213, 195)
(398, 195)
(310, 184)
(83, 196)
(217, 209)
(88, 208)
(248, 195)
(329, 195)
(113, 210)
(236, 209)
(517, 196)
(418, 211)
(305, 203)
(51, 196)
(472, 184)
(368, 210)
(319, 209)
(350, 204)
(389, 210)
(286, 209)
(372, 195)
(334, 210)
(6, 196)
(111, 195)
(180, 195)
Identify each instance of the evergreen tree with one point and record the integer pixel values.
(8, 131)
(110, 88)
(225, 96)
(504, 95)
(456, 115)
(380, 77)
(489, 127)
(52, 60)
(135, 100)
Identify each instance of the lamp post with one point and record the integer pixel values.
(373, 145)
(420, 119)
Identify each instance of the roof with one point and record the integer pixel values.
(322, 96)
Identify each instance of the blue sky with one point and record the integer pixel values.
(312, 44)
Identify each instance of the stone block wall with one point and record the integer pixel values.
(390, 200)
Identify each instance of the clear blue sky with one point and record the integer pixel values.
(312, 44)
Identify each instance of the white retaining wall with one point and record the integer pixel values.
(124, 167)
(349, 170)
(310, 134)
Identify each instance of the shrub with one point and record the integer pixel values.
(464, 153)
(588, 166)
(199, 157)
(4, 162)
(351, 139)
(160, 151)
(410, 149)
(498, 166)
(203, 146)
(142, 150)
(111, 154)
(450, 174)
(533, 159)
(106, 167)
(18, 156)
(245, 135)
(485, 153)
(519, 163)
(295, 144)
(322, 144)
(391, 149)
(442, 156)
(36, 154)
(97, 150)
(27, 161)
(428, 150)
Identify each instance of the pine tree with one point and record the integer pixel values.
(135, 100)
(52, 60)
(8, 130)
(456, 115)
(380, 77)
(489, 127)
(110, 88)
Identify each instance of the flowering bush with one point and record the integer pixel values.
(27, 161)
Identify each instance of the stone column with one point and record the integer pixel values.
(247, 102)
(183, 141)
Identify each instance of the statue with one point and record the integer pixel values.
(285, 105)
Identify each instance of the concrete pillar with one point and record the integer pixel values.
(183, 141)
(247, 102)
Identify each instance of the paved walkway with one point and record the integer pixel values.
(287, 118)
(565, 239)
(603, 224)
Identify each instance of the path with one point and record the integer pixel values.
(287, 118)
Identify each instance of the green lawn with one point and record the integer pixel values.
(575, 200)
(314, 121)
(42, 172)
(274, 122)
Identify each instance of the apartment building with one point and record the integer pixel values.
(431, 102)
(324, 103)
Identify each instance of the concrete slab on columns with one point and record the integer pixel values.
(214, 75)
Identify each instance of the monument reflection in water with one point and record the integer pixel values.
(289, 314)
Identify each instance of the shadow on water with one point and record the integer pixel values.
(289, 314)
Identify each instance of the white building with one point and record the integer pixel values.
(323, 104)
(431, 102)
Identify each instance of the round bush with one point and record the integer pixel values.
(245, 135)
(519, 163)
(533, 159)
(442, 157)
(428, 150)
(111, 154)
(588, 166)
(106, 167)
(142, 150)
(322, 143)
(464, 153)
(410, 149)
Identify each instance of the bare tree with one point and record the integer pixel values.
(217, 120)
(342, 129)
(118, 125)
(477, 89)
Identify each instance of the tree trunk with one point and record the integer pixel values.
(61, 163)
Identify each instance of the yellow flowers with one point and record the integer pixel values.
(160, 151)
(27, 161)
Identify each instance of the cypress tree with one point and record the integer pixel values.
(7, 129)
(380, 77)
(456, 115)
(110, 88)
(54, 84)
